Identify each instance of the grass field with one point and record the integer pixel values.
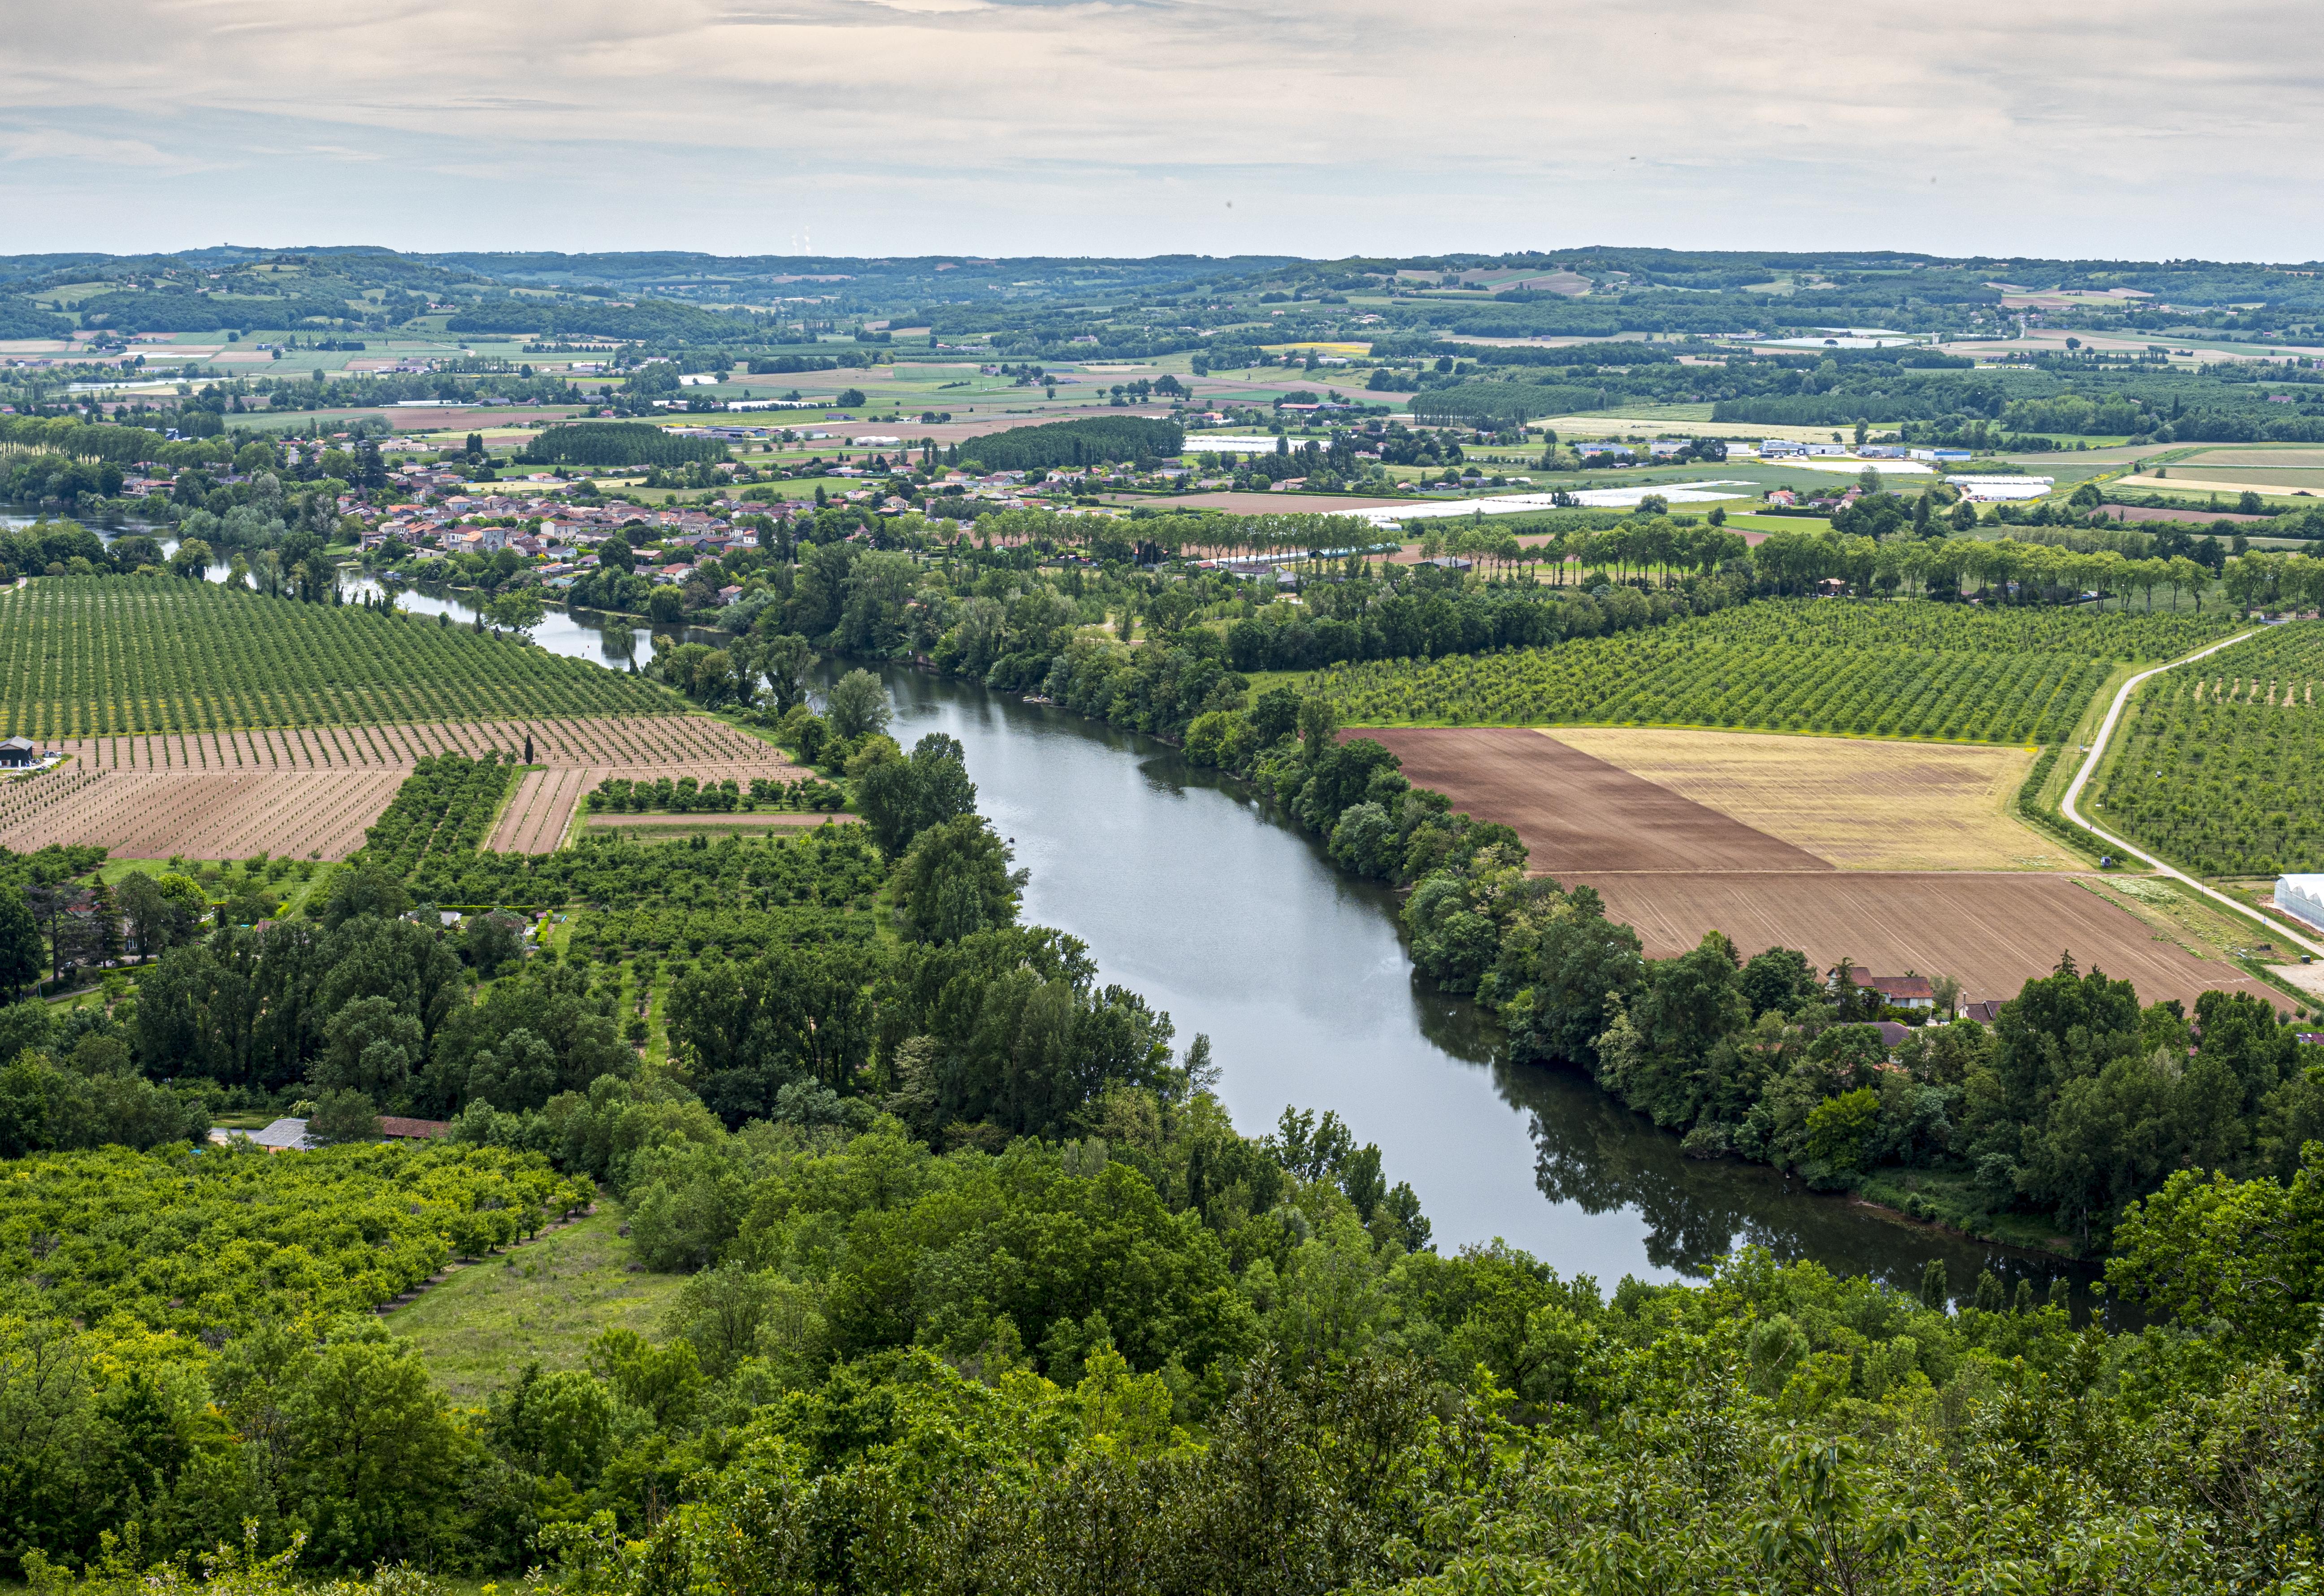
(2267, 482)
(544, 1300)
(1859, 804)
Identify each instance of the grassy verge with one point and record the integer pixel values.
(545, 1300)
(2040, 811)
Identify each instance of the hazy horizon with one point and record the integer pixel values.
(1012, 127)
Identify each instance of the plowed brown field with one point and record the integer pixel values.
(1675, 868)
(310, 793)
(146, 813)
(1577, 813)
(1992, 933)
(1861, 804)
(642, 740)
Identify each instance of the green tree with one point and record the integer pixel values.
(898, 799)
(519, 609)
(554, 1425)
(956, 882)
(786, 662)
(856, 706)
(363, 889)
(22, 959)
(376, 1465)
(342, 1116)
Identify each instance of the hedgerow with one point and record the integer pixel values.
(444, 807)
(1886, 670)
(84, 657)
(686, 795)
(618, 442)
(2219, 765)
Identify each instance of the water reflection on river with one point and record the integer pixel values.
(1189, 892)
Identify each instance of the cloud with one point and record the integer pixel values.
(1124, 125)
(55, 143)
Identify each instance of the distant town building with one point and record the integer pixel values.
(1990, 489)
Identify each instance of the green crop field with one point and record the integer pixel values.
(442, 812)
(157, 1240)
(2221, 766)
(1883, 669)
(83, 657)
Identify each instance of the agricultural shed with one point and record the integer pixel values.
(396, 1127)
(291, 1134)
(2302, 898)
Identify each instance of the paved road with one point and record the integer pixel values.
(2090, 767)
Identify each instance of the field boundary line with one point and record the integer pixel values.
(2069, 804)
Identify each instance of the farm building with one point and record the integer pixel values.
(1992, 489)
(17, 752)
(2302, 898)
(282, 1135)
(1902, 991)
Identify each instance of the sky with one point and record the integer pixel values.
(2134, 129)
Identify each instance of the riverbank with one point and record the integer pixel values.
(1188, 887)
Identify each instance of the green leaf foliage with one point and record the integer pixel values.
(1873, 669)
(2218, 767)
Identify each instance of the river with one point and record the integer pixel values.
(1188, 890)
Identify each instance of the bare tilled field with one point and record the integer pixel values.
(310, 793)
(1577, 813)
(1860, 805)
(1741, 834)
(645, 739)
(541, 809)
(153, 814)
(1992, 933)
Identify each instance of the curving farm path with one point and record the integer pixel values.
(2069, 804)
